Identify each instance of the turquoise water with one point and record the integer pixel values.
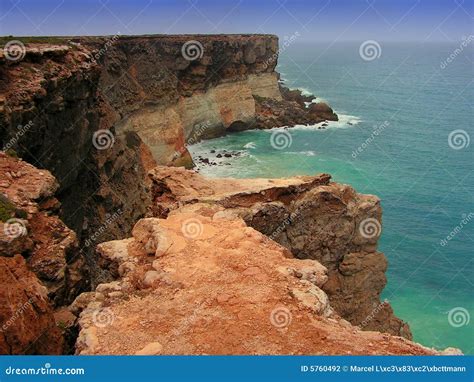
(426, 186)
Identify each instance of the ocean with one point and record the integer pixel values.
(406, 120)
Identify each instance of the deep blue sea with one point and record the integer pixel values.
(406, 121)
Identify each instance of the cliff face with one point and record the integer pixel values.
(100, 113)
(202, 282)
(313, 218)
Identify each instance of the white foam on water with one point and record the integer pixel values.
(250, 145)
(306, 153)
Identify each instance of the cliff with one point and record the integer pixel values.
(202, 282)
(99, 114)
(120, 105)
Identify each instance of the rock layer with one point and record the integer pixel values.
(205, 283)
(120, 105)
(312, 217)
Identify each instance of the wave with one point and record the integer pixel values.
(250, 145)
(306, 153)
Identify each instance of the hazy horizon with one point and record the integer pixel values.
(312, 21)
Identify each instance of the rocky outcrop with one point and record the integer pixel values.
(99, 113)
(202, 282)
(27, 324)
(312, 217)
(29, 226)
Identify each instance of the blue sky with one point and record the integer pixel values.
(315, 20)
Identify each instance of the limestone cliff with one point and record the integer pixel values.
(98, 114)
(311, 216)
(202, 282)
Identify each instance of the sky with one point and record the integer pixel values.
(312, 20)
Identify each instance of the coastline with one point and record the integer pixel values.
(238, 103)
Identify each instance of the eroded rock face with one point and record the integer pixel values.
(27, 324)
(120, 105)
(312, 217)
(209, 284)
(30, 226)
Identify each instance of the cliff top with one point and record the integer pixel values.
(193, 284)
(53, 40)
